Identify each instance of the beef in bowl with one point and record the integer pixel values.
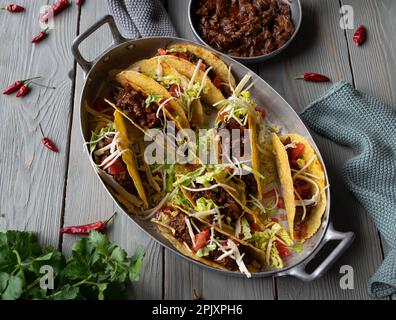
(243, 28)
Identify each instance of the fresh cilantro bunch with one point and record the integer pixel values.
(97, 269)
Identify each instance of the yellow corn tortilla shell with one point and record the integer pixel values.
(142, 83)
(235, 194)
(210, 94)
(124, 128)
(209, 58)
(314, 220)
(149, 67)
(167, 233)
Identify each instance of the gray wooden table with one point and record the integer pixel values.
(41, 191)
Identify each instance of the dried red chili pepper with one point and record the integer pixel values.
(49, 144)
(360, 35)
(56, 8)
(41, 36)
(313, 77)
(13, 8)
(23, 91)
(85, 229)
(80, 2)
(17, 85)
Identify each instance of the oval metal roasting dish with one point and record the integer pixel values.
(123, 52)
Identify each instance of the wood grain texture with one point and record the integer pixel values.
(211, 285)
(321, 47)
(86, 199)
(32, 179)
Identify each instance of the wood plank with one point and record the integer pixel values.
(374, 63)
(209, 284)
(86, 199)
(32, 179)
(321, 47)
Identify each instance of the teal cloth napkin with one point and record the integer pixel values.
(354, 119)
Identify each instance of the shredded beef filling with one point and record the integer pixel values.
(228, 206)
(245, 28)
(134, 105)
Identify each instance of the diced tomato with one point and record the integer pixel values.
(201, 239)
(183, 55)
(297, 151)
(275, 220)
(174, 90)
(281, 203)
(202, 67)
(283, 251)
(261, 112)
(217, 81)
(269, 194)
(255, 227)
(162, 52)
(116, 168)
(167, 105)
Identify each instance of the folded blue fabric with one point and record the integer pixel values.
(354, 119)
(141, 18)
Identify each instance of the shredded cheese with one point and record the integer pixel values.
(190, 230)
(163, 225)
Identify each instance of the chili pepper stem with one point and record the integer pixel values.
(41, 85)
(41, 130)
(300, 78)
(109, 219)
(31, 79)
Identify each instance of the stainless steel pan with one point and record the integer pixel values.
(123, 52)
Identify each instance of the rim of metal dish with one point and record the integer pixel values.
(260, 274)
(246, 59)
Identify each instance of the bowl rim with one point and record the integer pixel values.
(247, 59)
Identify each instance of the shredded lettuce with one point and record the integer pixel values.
(152, 98)
(219, 173)
(203, 252)
(95, 138)
(168, 81)
(204, 204)
(186, 179)
(260, 239)
(179, 200)
(245, 228)
(275, 128)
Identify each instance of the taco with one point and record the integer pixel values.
(219, 75)
(303, 184)
(144, 102)
(239, 112)
(210, 93)
(114, 157)
(206, 244)
(187, 93)
(215, 201)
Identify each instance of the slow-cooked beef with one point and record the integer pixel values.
(179, 224)
(230, 125)
(228, 206)
(251, 184)
(133, 103)
(244, 27)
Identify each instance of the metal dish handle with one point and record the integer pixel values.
(117, 39)
(346, 239)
